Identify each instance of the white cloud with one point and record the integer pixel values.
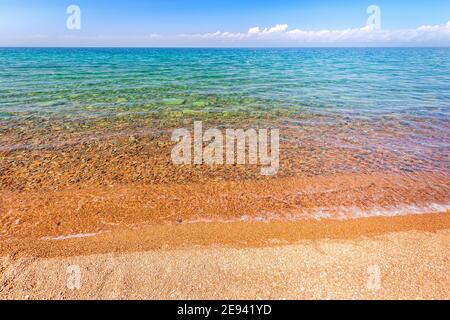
(428, 28)
(364, 35)
(278, 35)
(275, 29)
(254, 30)
(278, 28)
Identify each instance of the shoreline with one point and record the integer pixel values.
(206, 235)
(91, 209)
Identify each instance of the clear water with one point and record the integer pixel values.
(412, 83)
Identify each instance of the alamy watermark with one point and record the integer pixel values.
(374, 20)
(73, 22)
(73, 277)
(374, 278)
(231, 146)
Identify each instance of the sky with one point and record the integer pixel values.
(224, 23)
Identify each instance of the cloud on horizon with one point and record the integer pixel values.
(281, 32)
(278, 35)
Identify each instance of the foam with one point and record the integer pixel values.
(73, 236)
(336, 213)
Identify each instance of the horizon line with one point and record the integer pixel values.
(225, 47)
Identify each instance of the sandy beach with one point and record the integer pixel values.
(373, 258)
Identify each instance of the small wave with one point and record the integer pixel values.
(73, 236)
(336, 213)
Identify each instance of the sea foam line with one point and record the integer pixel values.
(335, 213)
(73, 236)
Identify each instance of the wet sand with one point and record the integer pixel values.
(134, 238)
(72, 211)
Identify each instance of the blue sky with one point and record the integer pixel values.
(223, 23)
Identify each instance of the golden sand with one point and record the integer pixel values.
(404, 265)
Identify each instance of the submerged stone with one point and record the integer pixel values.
(173, 102)
(199, 104)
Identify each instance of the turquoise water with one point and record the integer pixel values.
(414, 83)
